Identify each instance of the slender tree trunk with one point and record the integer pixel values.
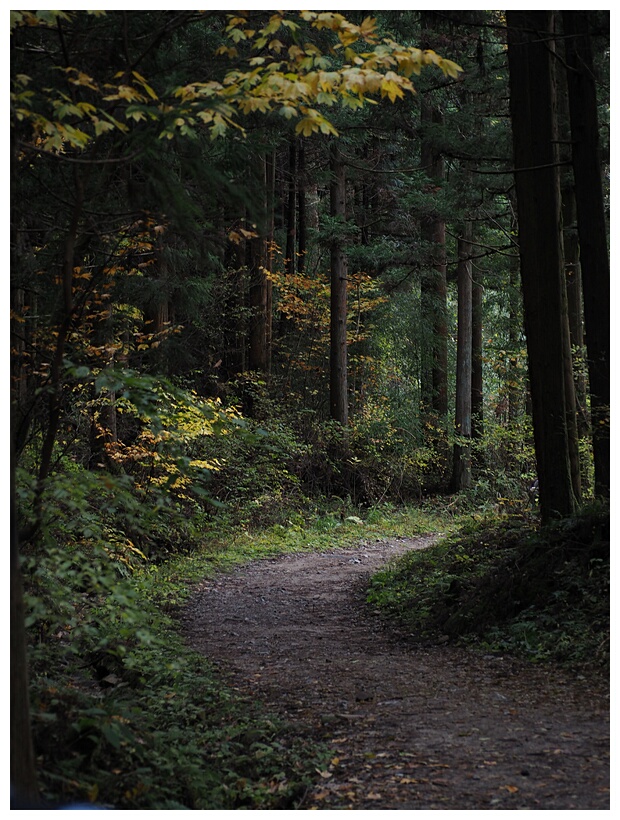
(575, 306)
(157, 309)
(270, 187)
(434, 284)
(592, 233)
(461, 465)
(571, 407)
(302, 235)
(515, 397)
(257, 359)
(533, 111)
(258, 249)
(290, 222)
(291, 211)
(23, 335)
(338, 385)
(235, 309)
(477, 384)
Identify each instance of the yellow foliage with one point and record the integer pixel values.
(300, 76)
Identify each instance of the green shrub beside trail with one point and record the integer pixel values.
(504, 584)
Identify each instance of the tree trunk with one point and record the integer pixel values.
(434, 285)
(338, 387)
(270, 187)
(257, 359)
(258, 249)
(461, 465)
(477, 405)
(575, 306)
(291, 212)
(515, 394)
(290, 222)
(592, 233)
(23, 335)
(571, 407)
(302, 237)
(533, 109)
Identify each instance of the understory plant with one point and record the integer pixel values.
(502, 583)
(126, 715)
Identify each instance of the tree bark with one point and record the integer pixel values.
(477, 384)
(291, 211)
(533, 112)
(338, 382)
(290, 223)
(461, 464)
(514, 393)
(260, 292)
(302, 234)
(270, 187)
(592, 233)
(575, 305)
(434, 284)
(257, 359)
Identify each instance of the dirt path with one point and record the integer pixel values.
(411, 728)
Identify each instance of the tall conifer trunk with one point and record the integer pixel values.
(575, 306)
(270, 189)
(477, 384)
(515, 329)
(434, 283)
(291, 211)
(461, 465)
(258, 306)
(533, 112)
(592, 233)
(338, 381)
(258, 258)
(302, 233)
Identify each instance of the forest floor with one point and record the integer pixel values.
(411, 726)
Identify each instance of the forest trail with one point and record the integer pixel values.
(411, 727)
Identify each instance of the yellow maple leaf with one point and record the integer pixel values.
(391, 89)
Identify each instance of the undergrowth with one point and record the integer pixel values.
(126, 715)
(132, 718)
(505, 585)
(160, 731)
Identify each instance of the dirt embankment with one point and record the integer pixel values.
(411, 727)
